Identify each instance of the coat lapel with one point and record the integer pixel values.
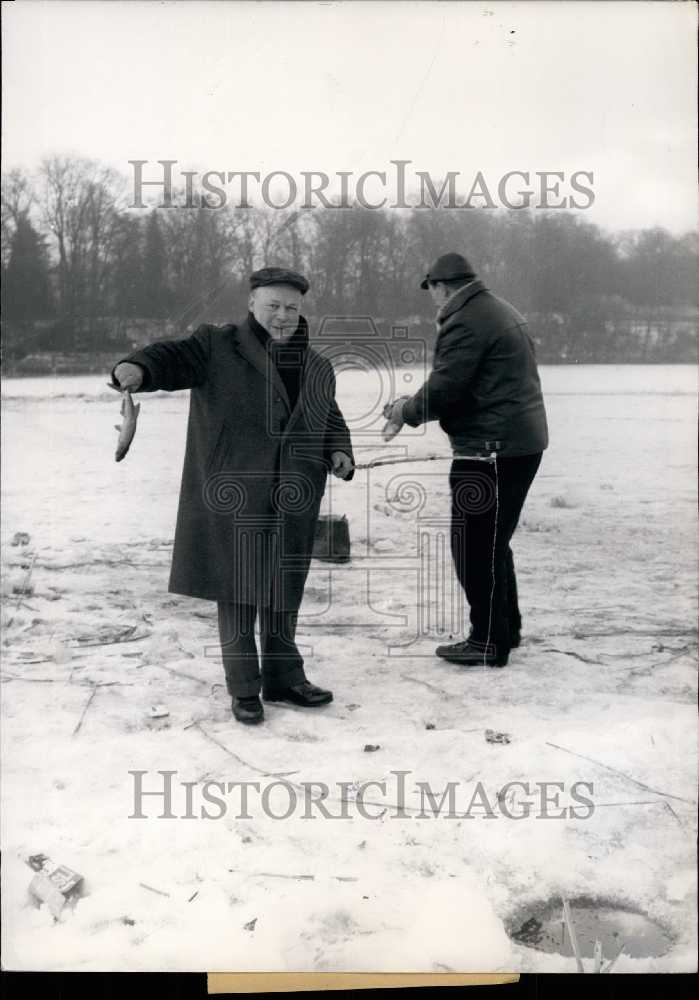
(252, 350)
(300, 402)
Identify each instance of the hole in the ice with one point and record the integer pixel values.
(541, 925)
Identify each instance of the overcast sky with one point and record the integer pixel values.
(603, 87)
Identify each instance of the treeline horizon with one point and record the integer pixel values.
(84, 272)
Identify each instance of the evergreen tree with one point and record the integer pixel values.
(127, 268)
(154, 292)
(26, 292)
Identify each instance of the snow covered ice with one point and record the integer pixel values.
(602, 690)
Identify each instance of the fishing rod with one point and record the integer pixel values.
(375, 463)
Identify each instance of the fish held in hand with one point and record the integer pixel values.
(127, 429)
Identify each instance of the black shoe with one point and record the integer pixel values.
(515, 641)
(304, 693)
(470, 653)
(248, 710)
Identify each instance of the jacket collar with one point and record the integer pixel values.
(298, 339)
(250, 346)
(459, 299)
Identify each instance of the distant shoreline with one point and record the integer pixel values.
(46, 366)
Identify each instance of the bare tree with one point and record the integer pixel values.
(81, 200)
(18, 197)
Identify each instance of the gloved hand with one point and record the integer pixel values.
(128, 376)
(394, 415)
(342, 464)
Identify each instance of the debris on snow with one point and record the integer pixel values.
(150, 888)
(157, 712)
(492, 736)
(53, 884)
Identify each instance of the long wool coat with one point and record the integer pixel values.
(254, 471)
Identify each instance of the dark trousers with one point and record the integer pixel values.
(282, 664)
(486, 501)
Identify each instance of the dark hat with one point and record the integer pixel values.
(447, 267)
(278, 276)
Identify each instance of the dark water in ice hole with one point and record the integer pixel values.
(541, 926)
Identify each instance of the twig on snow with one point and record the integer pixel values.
(678, 650)
(151, 889)
(567, 652)
(179, 673)
(572, 935)
(87, 705)
(669, 807)
(293, 784)
(115, 642)
(642, 802)
(645, 670)
(672, 632)
(231, 753)
(29, 680)
(38, 659)
(621, 774)
(598, 957)
(298, 878)
(59, 680)
(430, 687)
(610, 965)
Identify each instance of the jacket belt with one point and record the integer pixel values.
(475, 449)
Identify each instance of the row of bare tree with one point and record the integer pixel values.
(78, 265)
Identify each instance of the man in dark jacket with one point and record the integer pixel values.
(484, 389)
(264, 429)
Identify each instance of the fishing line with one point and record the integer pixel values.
(197, 306)
(492, 563)
(481, 458)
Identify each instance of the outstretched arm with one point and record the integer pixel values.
(166, 364)
(459, 357)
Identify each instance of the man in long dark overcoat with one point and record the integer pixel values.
(264, 430)
(485, 391)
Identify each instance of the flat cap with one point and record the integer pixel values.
(278, 276)
(447, 267)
